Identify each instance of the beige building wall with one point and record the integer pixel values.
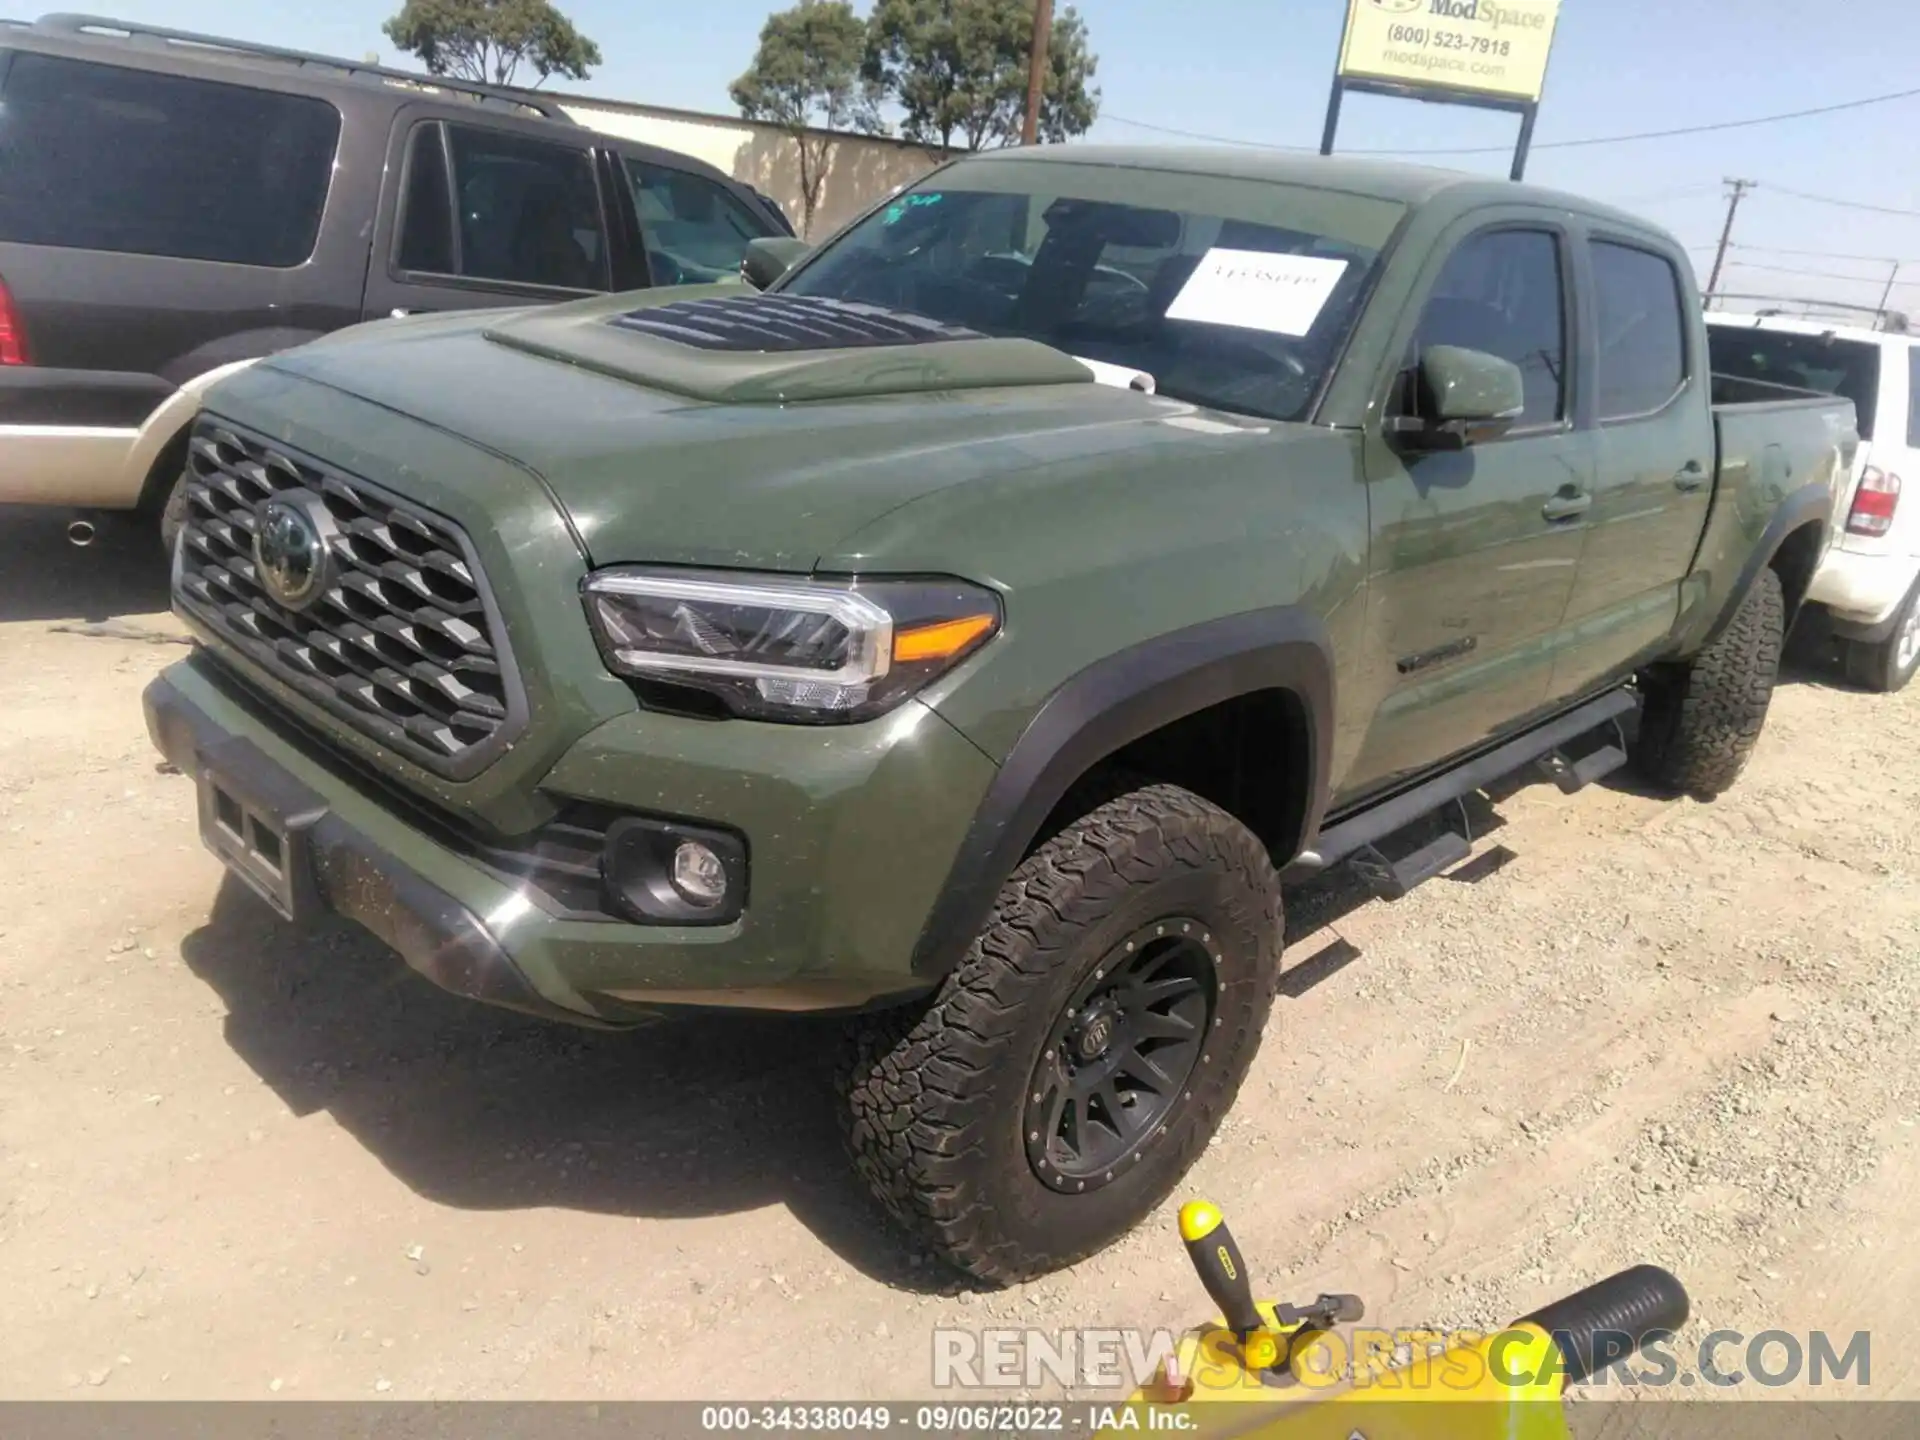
(860, 168)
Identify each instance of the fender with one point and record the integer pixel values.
(1810, 505)
(161, 429)
(1105, 707)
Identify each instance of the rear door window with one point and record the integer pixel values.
(1827, 364)
(696, 231)
(528, 211)
(1642, 340)
(102, 157)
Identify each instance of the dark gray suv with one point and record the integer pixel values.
(173, 206)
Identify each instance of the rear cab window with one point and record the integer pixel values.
(106, 157)
(1826, 363)
(491, 206)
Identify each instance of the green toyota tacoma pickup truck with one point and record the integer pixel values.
(972, 627)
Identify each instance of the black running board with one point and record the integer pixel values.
(1395, 879)
(1360, 832)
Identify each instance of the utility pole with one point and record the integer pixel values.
(1740, 188)
(1037, 69)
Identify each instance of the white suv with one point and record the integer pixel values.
(1869, 583)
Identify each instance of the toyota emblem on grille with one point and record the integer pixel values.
(290, 550)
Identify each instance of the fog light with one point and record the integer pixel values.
(660, 872)
(698, 874)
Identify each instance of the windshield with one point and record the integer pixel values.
(1234, 294)
(1828, 364)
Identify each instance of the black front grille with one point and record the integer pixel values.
(770, 323)
(399, 641)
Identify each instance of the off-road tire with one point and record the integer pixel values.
(1702, 722)
(1877, 666)
(935, 1093)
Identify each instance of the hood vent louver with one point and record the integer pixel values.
(774, 324)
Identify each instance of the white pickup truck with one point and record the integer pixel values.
(1869, 582)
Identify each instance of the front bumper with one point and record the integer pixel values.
(851, 833)
(1862, 591)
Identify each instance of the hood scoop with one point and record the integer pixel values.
(730, 348)
(785, 323)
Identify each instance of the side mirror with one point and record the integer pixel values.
(1467, 397)
(770, 257)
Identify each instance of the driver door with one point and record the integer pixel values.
(1474, 552)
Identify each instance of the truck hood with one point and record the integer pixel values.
(656, 449)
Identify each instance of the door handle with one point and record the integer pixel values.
(1691, 477)
(1567, 505)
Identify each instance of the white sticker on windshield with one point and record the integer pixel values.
(1258, 290)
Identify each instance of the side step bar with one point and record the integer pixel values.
(1362, 831)
(1573, 776)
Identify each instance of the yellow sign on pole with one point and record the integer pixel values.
(1490, 47)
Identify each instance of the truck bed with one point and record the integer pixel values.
(1773, 438)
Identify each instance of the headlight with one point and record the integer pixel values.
(775, 648)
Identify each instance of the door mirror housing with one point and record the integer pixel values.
(770, 257)
(1466, 397)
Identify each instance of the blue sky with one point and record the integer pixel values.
(1257, 70)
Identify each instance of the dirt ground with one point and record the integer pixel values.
(238, 1161)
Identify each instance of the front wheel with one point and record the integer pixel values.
(173, 514)
(1072, 1068)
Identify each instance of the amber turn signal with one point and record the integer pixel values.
(940, 641)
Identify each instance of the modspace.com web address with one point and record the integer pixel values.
(1448, 64)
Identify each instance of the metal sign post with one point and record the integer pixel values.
(1489, 54)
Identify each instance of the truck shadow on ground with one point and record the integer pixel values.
(483, 1109)
(43, 577)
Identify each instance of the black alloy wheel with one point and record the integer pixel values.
(1120, 1056)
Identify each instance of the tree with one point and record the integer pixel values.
(1070, 101)
(805, 78)
(958, 68)
(489, 40)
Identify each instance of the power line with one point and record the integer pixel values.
(1229, 140)
(1697, 192)
(1819, 254)
(1561, 144)
(1845, 204)
(1811, 274)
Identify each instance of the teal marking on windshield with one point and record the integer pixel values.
(897, 211)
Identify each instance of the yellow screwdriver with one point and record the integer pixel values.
(1223, 1272)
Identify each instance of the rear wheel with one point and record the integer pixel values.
(1703, 721)
(1887, 665)
(1069, 1072)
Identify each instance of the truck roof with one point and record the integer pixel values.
(1380, 179)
